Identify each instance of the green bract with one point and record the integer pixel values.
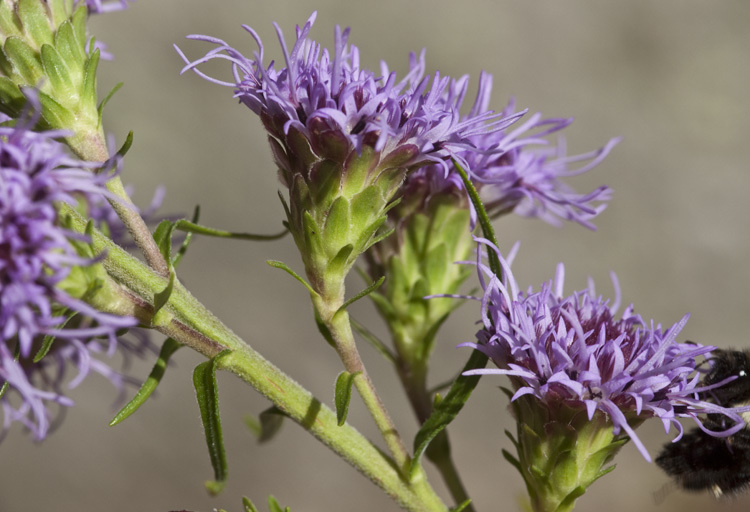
(44, 47)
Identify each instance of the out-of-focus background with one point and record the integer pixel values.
(672, 77)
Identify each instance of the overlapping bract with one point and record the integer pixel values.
(573, 349)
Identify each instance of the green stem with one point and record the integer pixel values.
(338, 324)
(93, 149)
(414, 381)
(189, 322)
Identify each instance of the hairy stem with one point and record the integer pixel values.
(339, 326)
(189, 322)
(94, 149)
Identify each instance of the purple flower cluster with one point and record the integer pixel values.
(574, 349)
(518, 170)
(36, 256)
(341, 109)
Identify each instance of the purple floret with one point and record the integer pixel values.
(574, 349)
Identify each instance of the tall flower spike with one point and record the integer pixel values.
(344, 138)
(44, 280)
(583, 379)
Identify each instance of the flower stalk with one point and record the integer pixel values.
(189, 322)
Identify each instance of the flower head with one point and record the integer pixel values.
(344, 138)
(575, 350)
(517, 169)
(39, 266)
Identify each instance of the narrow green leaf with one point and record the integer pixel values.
(380, 238)
(4, 388)
(482, 218)
(462, 506)
(373, 340)
(188, 238)
(204, 379)
(248, 505)
(48, 339)
(283, 266)
(343, 395)
(169, 347)
(367, 291)
(106, 99)
(163, 238)
(161, 298)
(126, 145)
(192, 227)
(24, 59)
(267, 425)
(273, 505)
(448, 408)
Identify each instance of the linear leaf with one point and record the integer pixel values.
(204, 379)
(148, 387)
(343, 395)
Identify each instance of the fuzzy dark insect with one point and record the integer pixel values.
(700, 462)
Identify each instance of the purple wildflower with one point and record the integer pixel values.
(340, 109)
(574, 351)
(518, 170)
(36, 256)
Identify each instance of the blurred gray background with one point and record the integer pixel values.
(671, 77)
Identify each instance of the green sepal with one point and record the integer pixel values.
(267, 425)
(148, 387)
(9, 23)
(283, 266)
(70, 48)
(343, 395)
(53, 113)
(364, 293)
(59, 11)
(24, 59)
(313, 240)
(48, 339)
(461, 506)
(78, 22)
(447, 409)
(339, 264)
(12, 99)
(33, 16)
(247, 505)
(57, 71)
(336, 226)
(88, 89)
(273, 505)
(192, 227)
(206, 391)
